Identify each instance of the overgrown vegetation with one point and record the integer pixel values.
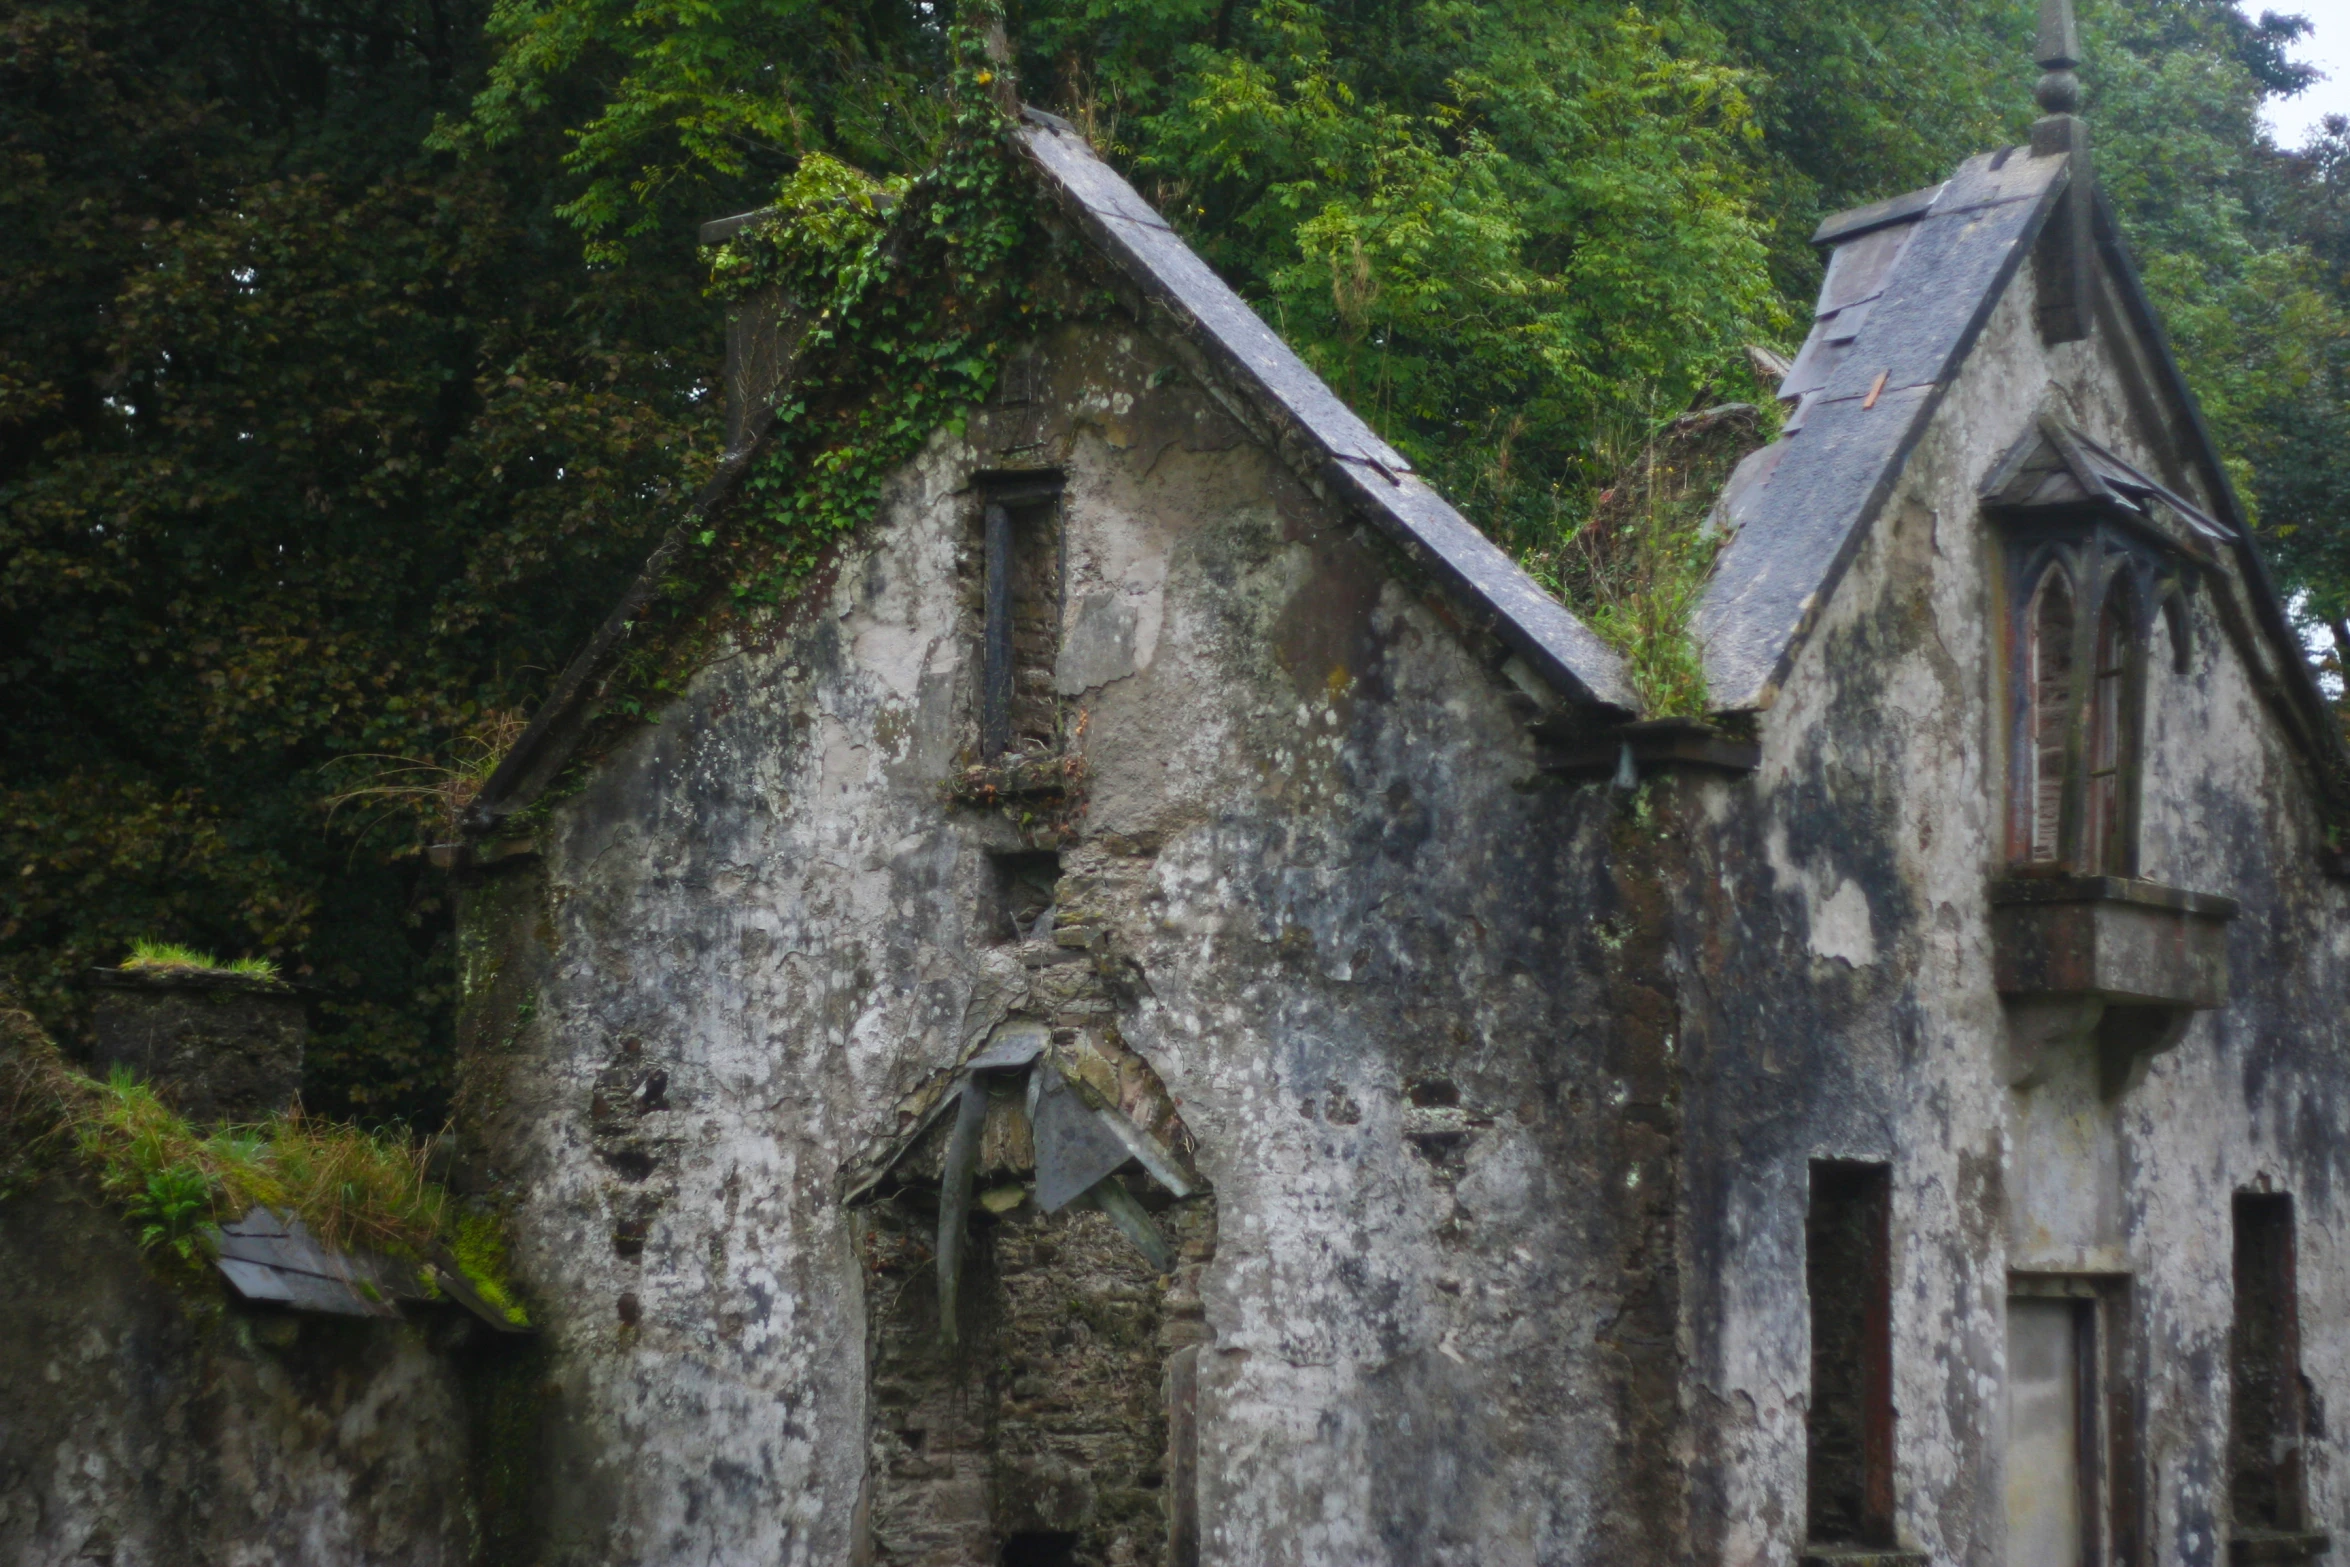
(167, 957)
(355, 1190)
(1639, 563)
(353, 353)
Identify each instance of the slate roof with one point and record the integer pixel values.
(1910, 284)
(1313, 428)
(2056, 465)
(273, 1258)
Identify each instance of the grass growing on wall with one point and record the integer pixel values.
(1638, 566)
(170, 957)
(173, 1181)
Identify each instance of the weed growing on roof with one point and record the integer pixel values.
(355, 1190)
(419, 786)
(1638, 565)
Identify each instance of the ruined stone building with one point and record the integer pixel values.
(1175, 1012)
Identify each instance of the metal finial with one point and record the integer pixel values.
(2059, 90)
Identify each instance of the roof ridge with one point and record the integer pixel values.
(1314, 428)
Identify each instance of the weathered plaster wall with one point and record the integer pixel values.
(1842, 1006)
(1341, 918)
(147, 1424)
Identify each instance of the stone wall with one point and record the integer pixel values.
(1833, 926)
(146, 1421)
(1329, 901)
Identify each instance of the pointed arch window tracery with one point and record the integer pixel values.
(2079, 693)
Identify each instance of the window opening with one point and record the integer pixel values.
(1848, 1270)
(1040, 1548)
(2108, 739)
(2265, 1406)
(1023, 891)
(1021, 639)
(2052, 707)
(2054, 1475)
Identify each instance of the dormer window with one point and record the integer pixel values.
(2097, 554)
(2083, 745)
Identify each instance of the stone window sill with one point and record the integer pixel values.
(1862, 1556)
(2126, 940)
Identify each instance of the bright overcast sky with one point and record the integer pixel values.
(2292, 119)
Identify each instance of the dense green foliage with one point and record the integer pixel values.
(174, 1182)
(352, 352)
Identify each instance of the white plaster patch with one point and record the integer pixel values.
(1840, 927)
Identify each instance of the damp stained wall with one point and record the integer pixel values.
(1373, 956)
(147, 1422)
(1834, 930)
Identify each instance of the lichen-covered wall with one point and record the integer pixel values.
(1834, 925)
(1505, 1091)
(1373, 956)
(150, 1423)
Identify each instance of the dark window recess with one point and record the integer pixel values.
(1021, 640)
(2266, 1416)
(2110, 746)
(2080, 694)
(1848, 1271)
(1040, 1548)
(1024, 889)
(2052, 709)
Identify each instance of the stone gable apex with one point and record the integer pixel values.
(1911, 285)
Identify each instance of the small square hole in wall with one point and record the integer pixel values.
(1040, 1548)
(1020, 894)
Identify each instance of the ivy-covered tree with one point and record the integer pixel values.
(316, 451)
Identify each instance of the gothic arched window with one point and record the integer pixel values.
(2051, 694)
(2110, 745)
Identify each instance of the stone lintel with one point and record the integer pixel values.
(1655, 743)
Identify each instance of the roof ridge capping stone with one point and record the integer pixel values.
(1314, 428)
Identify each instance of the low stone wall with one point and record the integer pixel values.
(147, 1421)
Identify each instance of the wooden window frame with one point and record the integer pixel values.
(2286, 1399)
(2116, 593)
